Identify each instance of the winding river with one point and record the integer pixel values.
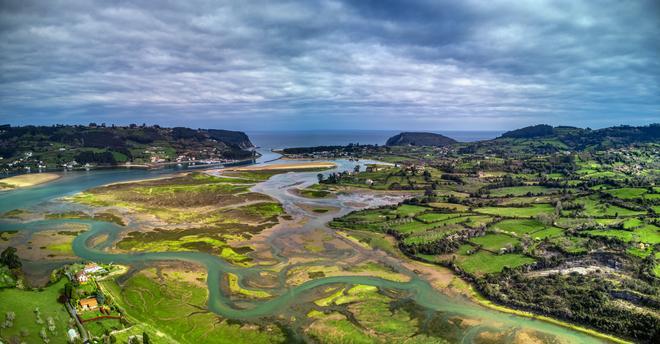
(279, 187)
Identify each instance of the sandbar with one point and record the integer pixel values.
(277, 167)
(27, 180)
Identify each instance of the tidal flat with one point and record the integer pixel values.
(239, 255)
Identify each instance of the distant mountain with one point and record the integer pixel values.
(54, 146)
(419, 139)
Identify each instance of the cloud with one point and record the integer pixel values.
(367, 64)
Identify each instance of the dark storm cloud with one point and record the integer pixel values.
(373, 64)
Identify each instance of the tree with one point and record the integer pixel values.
(356, 169)
(100, 297)
(558, 208)
(68, 290)
(320, 177)
(545, 219)
(427, 175)
(145, 338)
(10, 259)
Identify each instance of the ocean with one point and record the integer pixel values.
(309, 138)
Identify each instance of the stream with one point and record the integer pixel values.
(279, 187)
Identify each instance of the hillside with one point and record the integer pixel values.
(544, 139)
(419, 139)
(578, 138)
(63, 145)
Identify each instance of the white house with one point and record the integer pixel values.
(92, 268)
(82, 277)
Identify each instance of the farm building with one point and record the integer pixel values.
(88, 303)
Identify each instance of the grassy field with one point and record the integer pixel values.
(414, 226)
(252, 176)
(638, 252)
(450, 206)
(549, 232)
(23, 304)
(409, 210)
(598, 208)
(613, 233)
(519, 227)
(100, 327)
(155, 336)
(435, 217)
(572, 245)
(517, 212)
(431, 236)
(484, 262)
(376, 240)
(373, 319)
(632, 223)
(172, 305)
(521, 191)
(495, 242)
(648, 234)
(627, 193)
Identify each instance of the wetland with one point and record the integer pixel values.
(269, 254)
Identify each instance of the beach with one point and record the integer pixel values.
(27, 180)
(287, 166)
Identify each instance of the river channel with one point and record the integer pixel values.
(279, 187)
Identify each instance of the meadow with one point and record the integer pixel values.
(517, 212)
(483, 262)
(26, 326)
(177, 307)
(492, 222)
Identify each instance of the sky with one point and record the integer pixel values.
(288, 65)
